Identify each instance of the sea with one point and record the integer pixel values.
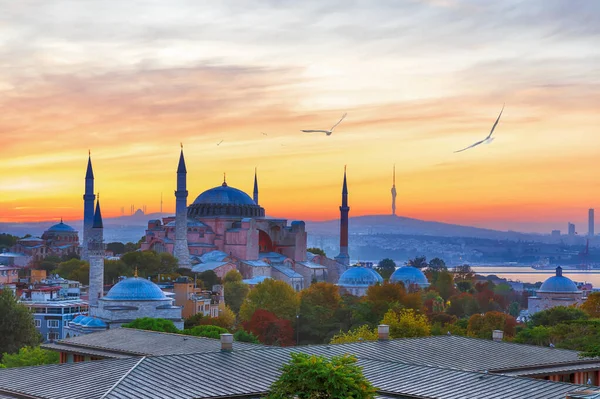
(528, 274)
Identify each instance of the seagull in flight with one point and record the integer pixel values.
(489, 138)
(219, 143)
(264, 134)
(327, 132)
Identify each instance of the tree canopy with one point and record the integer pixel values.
(235, 290)
(386, 267)
(30, 356)
(406, 323)
(310, 376)
(16, 324)
(592, 305)
(316, 251)
(319, 307)
(362, 333)
(208, 331)
(275, 296)
(270, 329)
(150, 263)
(149, 323)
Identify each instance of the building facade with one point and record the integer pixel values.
(357, 280)
(557, 290)
(59, 240)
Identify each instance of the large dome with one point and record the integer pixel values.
(409, 275)
(224, 195)
(61, 228)
(359, 276)
(558, 283)
(135, 289)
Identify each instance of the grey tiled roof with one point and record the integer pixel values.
(127, 341)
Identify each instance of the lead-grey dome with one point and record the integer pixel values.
(225, 201)
(359, 276)
(224, 195)
(558, 283)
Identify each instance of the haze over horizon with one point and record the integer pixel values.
(418, 79)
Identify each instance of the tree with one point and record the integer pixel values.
(233, 276)
(16, 324)
(208, 331)
(319, 306)
(243, 336)
(7, 241)
(539, 335)
(150, 263)
(113, 269)
(30, 356)
(444, 284)
(316, 251)
(386, 267)
(482, 326)
(270, 329)
(437, 264)
(362, 333)
(74, 269)
(235, 290)
(556, 315)
(274, 296)
(116, 248)
(226, 319)
(462, 305)
(151, 324)
(463, 273)
(592, 305)
(193, 321)
(406, 323)
(383, 296)
(208, 279)
(420, 262)
(514, 309)
(310, 376)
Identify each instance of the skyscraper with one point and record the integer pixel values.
(571, 229)
(343, 257)
(394, 193)
(591, 223)
(88, 208)
(181, 250)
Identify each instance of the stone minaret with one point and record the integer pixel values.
(394, 193)
(181, 250)
(255, 197)
(343, 257)
(96, 254)
(88, 208)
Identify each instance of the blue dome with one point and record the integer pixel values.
(135, 289)
(409, 275)
(359, 276)
(61, 228)
(224, 195)
(558, 283)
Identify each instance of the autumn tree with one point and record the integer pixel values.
(270, 329)
(481, 326)
(226, 319)
(16, 324)
(383, 296)
(235, 290)
(274, 296)
(152, 324)
(462, 305)
(592, 305)
(150, 263)
(30, 356)
(463, 273)
(406, 323)
(358, 334)
(386, 267)
(319, 307)
(309, 376)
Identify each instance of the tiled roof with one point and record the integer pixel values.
(287, 271)
(202, 267)
(312, 265)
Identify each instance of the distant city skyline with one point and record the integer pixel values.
(131, 83)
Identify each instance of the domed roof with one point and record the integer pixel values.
(359, 276)
(61, 228)
(409, 275)
(558, 283)
(135, 289)
(224, 195)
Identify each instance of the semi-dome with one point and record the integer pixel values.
(558, 283)
(359, 276)
(408, 276)
(224, 195)
(61, 228)
(135, 289)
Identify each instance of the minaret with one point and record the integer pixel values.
(394, 193)
(255, 197)
(88, 208)
(95, 250)
(181, 250)
(343, 257)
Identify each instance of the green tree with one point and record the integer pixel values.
(233, 276)
(131, 247)
(462, 305)
(16, 324)
(193, 321)
(514, 309)
(49, 264)
(74, 269)
(235, 294)
(539, 335)
(362, 333)
(316, 251)
(7, 241)
(444, 284)
(116, 248)
(310, 376)
(149, 263)
(149, 323)
(382, 297)
(207, 331)
(554, 316)
(420, 262)
(242, 335)
(406, 323)
(30, 356)
(463, 273)
(274, 296)
(113, 269)
(386, 267)
(209, 278)
(226, 319)
(437, 264)
(319, 307)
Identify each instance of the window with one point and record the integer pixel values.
(38, 323)
(52, 324)
(65, 323)
(52, 336)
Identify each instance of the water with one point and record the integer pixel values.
(530, 275)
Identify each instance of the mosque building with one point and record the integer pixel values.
(357, 280)
(412, 278)
(59, 240)
(225, 228)
(557, 290)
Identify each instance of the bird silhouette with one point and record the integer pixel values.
(489, 138)
(219, 143)
(327, 132)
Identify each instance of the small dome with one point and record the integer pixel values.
(409, 275)
(135, 289)
(224, 195)
(359, 276)
(61, 228)
(558, 283)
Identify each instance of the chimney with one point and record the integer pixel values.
(383, 330)
(497, 335)
(227, 342)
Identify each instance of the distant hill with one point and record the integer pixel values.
(388, 224)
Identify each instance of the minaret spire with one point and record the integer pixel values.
(96, 258)
(394, 192)
(181, 250)
(343, 257)
(88, 207)
(255, 197)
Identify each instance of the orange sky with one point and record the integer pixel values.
(130, 82)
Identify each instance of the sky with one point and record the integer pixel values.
(130, 81)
